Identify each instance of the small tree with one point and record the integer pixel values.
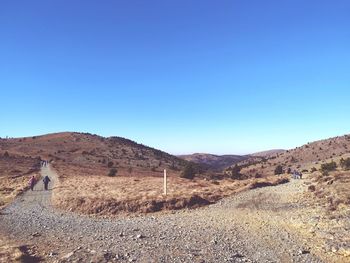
(278, 170)
(188, 172)
(289, 171)
(112, 172)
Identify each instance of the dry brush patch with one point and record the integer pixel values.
(330, 196)
(332, 190)
(15, 172)
(12, 252)
(91, 193)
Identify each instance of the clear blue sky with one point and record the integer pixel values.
(182, 76)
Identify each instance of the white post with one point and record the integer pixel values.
(165, 183)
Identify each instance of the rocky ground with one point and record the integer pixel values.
(260, 225)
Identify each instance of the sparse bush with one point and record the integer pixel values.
(289, 171)
(188, 172)
(313, 169)
(236, 172)
(278, 170)
(112, 172)
(257, 175)
(110, 164)
(305, 171)
(327, 167)
(325, 173)
(6, 154)
(345, 164)
(312, 188)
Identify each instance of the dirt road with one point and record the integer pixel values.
(254, 226)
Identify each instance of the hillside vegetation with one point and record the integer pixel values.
(305, 158)
(87, 150)
(15, 172)
(214, 162)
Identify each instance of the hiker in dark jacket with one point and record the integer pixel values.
(46, 181)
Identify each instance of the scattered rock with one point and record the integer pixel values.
(53, 253)
(303, 252)
(67, 256)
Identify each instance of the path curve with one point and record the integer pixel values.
(242, 228)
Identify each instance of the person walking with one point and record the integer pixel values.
(32, 182)
(46, 181)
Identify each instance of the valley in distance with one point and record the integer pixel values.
(106, 202)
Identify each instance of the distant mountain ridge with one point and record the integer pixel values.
(221, 162)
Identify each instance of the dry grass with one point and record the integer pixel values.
(332, 190)
(301, 158)
(102, 195)
(9, 252)
(15, 172)
(83, 149)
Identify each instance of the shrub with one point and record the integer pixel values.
(257, 175)
(312, 188)
(278, 170)
(188, 172)
(112, 172)
(110, 164)
(313, 169)
(289, 171)
(236, 170)
(327, 167)
(6, 154)
(345, 164)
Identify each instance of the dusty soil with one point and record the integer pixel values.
(260, 225)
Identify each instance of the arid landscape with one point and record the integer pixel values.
(314, 209)
(174, 131)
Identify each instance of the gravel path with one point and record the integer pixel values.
(247, 227)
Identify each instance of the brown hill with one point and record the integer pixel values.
(15, 172)
(300, 158)
(87, 150)
(214, 162)
(267, 153)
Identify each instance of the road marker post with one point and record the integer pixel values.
(165, 183)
